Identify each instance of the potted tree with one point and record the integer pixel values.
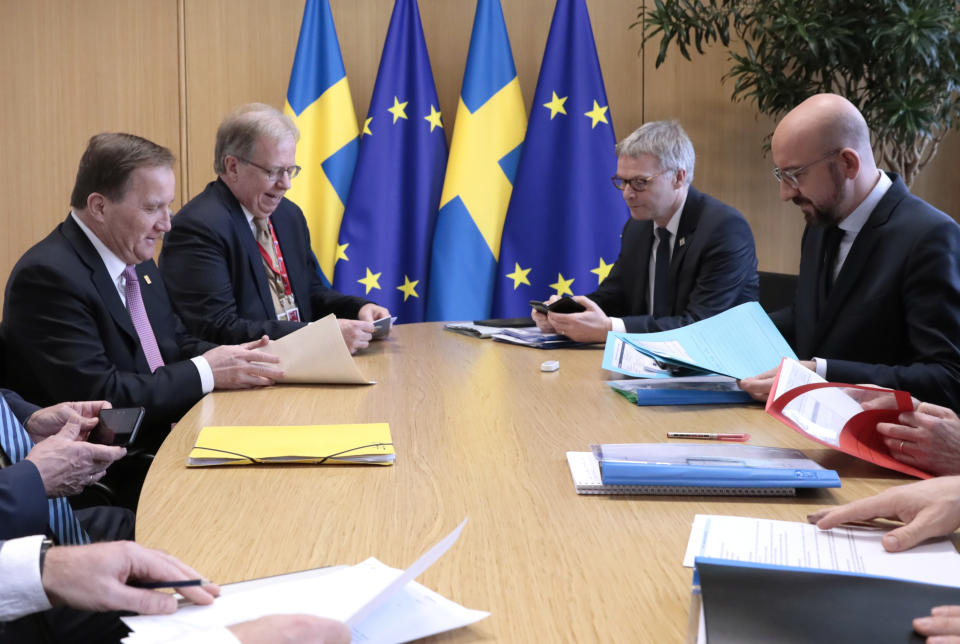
(898, 61)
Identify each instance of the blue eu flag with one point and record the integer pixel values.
(561, 234)
(387, 227)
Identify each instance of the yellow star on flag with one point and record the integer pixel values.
(408, 288)
(366, 127)
(398, 109)
(556, 105)
(519, 275)
(562, 286)
(602, 271)
(342, 253)
(371, 280)
(433, 118)
(597, 114)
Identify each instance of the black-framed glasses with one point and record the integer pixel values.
(792, 176)
(274, 174)
(639, 184)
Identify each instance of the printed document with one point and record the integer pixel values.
(803, 545)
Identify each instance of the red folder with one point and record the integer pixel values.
(859, 436)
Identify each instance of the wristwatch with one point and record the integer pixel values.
(45, 545)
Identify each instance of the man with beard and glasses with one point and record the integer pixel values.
(878, 294)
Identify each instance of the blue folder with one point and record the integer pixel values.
(702, 465)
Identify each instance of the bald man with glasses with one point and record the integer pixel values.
(684, 256)
(237, 260)
(878, 295)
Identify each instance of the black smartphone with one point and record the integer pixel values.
(539, 306)
(117, 426)
(563, 305)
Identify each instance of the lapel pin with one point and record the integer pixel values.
(146, 278)
(681, 241)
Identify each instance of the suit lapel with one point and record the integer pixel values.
(106, 288)
(857, 259)
(248, 241)
(689, 218)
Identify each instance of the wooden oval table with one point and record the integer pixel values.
(479, 432)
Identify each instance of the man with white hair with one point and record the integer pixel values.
(237, 261)
(684, 256)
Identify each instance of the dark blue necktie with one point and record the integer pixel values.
(661, 274)
(831, 245)
(16, 444)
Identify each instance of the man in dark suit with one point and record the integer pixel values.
(684, 256)
(59, 463)
(86, 315)
(878, 295)
(237, 260)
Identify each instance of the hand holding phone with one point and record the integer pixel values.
(563, 305)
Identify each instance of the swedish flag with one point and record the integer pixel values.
(392, 208)
(487, 139)
(318, 100)
(561, 234)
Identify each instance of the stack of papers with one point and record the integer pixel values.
(380, 604)
(322, 444)
(473, 330)
(534, 337)
(689, 390)
(740, 342)
(779, 581)
(667, 468)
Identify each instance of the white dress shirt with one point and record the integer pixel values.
(673, 225)
(115, 267)
(21, 591)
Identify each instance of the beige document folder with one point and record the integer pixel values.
(317, 354)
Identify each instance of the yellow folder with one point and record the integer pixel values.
(328, 444)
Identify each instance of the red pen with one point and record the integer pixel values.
(740, 438)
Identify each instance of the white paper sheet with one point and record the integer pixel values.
(821, 412)
(803, 545)
(379, 603)
(317, 353)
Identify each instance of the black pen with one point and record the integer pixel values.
(153, 585)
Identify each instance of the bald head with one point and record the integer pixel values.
(826, 122)
(824, 143)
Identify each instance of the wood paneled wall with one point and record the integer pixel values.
(170, 69)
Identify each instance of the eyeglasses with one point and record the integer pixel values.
(639, 184)
(792, 177)
(274, 174)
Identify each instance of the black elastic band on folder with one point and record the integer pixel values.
(323, 459)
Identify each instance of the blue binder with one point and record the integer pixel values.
(710, 466)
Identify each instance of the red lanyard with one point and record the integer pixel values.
(282, 271)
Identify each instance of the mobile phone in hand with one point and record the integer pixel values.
(117, 426)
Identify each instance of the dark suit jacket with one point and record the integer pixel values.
(23, 501)
(68, 335)
(216, 278)
(713, 268)
(893, 315)
(20, 407)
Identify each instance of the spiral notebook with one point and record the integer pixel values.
(585, 470)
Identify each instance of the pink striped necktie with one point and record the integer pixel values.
(140, 320)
